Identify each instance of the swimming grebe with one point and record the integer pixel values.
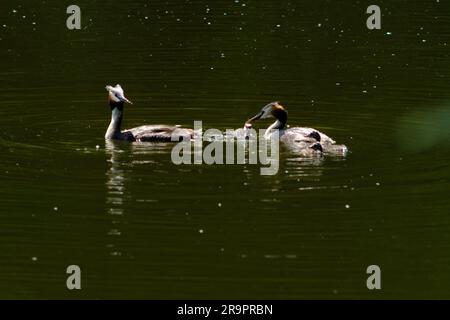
(298, 136)
(147, 133)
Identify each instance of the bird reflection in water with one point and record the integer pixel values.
(115, 193)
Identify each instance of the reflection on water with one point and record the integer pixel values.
(115, 192)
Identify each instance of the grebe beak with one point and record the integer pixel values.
(126, 100)
(258, 116)
(265, 112)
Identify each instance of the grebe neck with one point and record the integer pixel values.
(113, 131)
(277, 125)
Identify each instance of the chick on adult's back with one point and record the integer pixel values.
(300, 137)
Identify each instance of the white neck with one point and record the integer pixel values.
(276, 125)
(113, 131)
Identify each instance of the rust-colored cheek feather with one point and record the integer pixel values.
(114, 104)
(280, 113)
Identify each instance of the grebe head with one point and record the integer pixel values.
(273, 109)
(316, 147)
(116, 96)
(315, 135)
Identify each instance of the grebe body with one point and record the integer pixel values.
(146, 133)
(300, 137)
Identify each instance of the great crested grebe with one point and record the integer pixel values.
(300, 137)
(147, 133)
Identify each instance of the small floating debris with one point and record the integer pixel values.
(347, 206)
(55, 208)
(201, 231)
(114, 232)
(34, 259)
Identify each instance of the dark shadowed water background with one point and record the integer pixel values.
(142, 227)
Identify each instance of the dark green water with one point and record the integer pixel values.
(141, 227)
